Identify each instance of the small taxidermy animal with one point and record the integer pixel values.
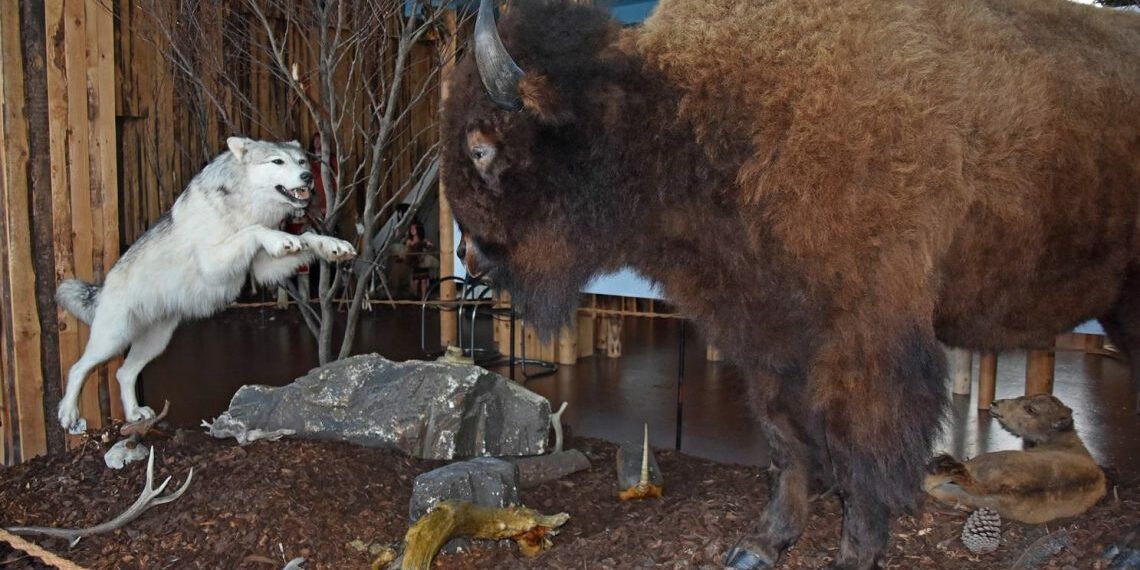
(1055, 478)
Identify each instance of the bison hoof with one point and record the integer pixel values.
(745, 556)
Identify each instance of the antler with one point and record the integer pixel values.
(149, 498)
(141, 427)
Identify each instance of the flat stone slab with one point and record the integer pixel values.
(431, 410)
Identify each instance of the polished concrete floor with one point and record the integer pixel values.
(611, 398)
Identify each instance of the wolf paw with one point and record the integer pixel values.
(278, 244)
(139, 413)
(69, 419)
(330, 248)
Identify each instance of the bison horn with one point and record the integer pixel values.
(500, 73)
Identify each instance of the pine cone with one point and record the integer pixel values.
(982, 532)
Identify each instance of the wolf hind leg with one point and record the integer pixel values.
(110, 334)
(151, 343)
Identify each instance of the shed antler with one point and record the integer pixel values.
(142, 427)
(149, 498)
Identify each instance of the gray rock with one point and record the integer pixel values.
(432, 410)
(484, 481)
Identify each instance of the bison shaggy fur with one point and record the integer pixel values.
(829, 189)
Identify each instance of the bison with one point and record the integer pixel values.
(829, 189)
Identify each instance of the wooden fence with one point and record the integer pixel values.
(60, 209)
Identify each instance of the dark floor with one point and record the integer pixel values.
(611, 398)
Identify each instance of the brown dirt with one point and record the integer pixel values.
(260, 505)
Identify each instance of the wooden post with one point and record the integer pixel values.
(586, 329)
(712, 354)
(1094, 344)
(1039, 372)
(960, 361)
(448, 324)
(568, 344)
(613, 336)
(987, 380)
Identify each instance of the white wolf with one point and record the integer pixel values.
(193, 262)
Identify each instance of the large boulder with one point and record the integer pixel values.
(431, 410)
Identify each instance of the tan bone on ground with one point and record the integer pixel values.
(1055, 478)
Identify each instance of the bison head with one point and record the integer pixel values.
(531, 164)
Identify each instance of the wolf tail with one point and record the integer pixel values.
(79, 298)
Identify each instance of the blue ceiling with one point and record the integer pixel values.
(626, 11)
(629, 11)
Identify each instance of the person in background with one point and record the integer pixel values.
(417, 253)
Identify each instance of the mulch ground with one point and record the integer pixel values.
(258, 506)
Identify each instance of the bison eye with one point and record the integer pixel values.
(482, 154)
(1031, 410)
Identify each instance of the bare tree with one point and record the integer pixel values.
(361, 74)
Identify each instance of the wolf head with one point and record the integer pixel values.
(278, 179)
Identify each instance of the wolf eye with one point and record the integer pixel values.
(278, 161)
(1031, 410)
(302, 162)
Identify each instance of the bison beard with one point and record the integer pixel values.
(828, 189)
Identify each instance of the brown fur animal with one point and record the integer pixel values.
(827, 188)
(1055, 478)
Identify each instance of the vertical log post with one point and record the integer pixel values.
(961, 362)
(448, 323)
(1039, 372)
(613, 336)
(712, 354)
(586, 329)
(987, 380)
(568, 344)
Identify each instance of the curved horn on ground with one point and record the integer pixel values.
(498, 71)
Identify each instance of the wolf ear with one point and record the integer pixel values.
(294, 143)
(239, 146)
(541, 98)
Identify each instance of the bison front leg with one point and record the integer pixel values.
(790, 477)
(881, 393)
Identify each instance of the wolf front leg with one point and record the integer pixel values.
(269, 270)
(232, 256)
(328, 248)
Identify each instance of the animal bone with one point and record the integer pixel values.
(149, 498)
(142, 427)
(448, 519)
(556, 422)
(645, 487)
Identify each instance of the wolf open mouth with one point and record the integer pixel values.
(299, 194)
